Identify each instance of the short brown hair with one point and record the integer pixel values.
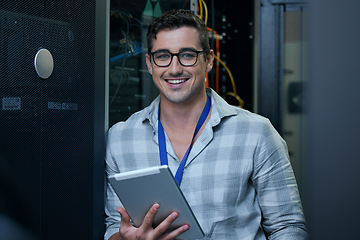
(174, 19)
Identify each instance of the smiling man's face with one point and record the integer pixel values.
(177, 83)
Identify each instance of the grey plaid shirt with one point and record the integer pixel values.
(237, 179)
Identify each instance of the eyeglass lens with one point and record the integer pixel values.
(186, 58)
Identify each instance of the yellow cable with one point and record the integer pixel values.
(228, 71)
(234, 93)
(201, 9)
(206, 11)
(241, 102)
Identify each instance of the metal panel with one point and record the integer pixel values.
(270, 56)
(269, 65)
(53, 129)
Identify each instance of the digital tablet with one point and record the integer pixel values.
(140, 189)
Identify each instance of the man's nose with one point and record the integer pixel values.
(175, 65)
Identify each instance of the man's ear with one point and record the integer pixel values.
(210, 61)
(148, 63)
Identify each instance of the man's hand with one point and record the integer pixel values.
(146, 230)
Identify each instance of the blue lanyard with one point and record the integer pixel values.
(162, 142)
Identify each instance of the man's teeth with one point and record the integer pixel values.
(176, 81)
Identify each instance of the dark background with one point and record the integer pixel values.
(332, 166)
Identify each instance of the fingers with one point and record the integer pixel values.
(146, 230)
(150, 216)
(175, 233)
(126, 231)
(125, 218)
(164, 225)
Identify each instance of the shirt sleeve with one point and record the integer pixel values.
(112, 202)
(275, 183)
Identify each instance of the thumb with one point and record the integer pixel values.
(125, 218)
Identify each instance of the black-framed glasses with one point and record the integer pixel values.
(186, 58)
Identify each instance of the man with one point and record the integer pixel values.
(234, 170)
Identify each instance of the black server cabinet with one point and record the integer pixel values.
(52, 116)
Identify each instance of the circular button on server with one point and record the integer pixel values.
(44, 63)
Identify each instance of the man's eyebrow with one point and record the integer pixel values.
(187, 49)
